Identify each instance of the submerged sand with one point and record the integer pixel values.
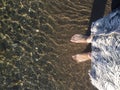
(35, 47)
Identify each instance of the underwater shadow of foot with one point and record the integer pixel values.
(97, 12)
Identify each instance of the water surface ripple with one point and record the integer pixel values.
(35, 51)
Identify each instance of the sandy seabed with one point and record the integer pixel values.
(35, 47)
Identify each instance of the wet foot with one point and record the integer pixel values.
(78, 38)
(81, 57)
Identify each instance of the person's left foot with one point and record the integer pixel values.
(81, 57)
(79, 38)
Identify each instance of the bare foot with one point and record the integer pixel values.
(82, 57)
(78, 38)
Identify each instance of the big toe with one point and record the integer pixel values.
(74, 57)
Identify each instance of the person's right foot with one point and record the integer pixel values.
(78, 38)
(82, 57)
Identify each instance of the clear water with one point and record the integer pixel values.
(35, 51)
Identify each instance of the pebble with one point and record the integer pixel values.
(36, 59)
(37, 30)
(36, 48)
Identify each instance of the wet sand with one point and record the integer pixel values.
(35, 47)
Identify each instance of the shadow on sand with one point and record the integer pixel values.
(97, 12)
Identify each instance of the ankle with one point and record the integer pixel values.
(89, 39)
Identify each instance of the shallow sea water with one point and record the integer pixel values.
(35, 47)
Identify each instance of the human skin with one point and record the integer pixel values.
(78, 38)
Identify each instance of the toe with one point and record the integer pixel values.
(74, 57)
(75, 38)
